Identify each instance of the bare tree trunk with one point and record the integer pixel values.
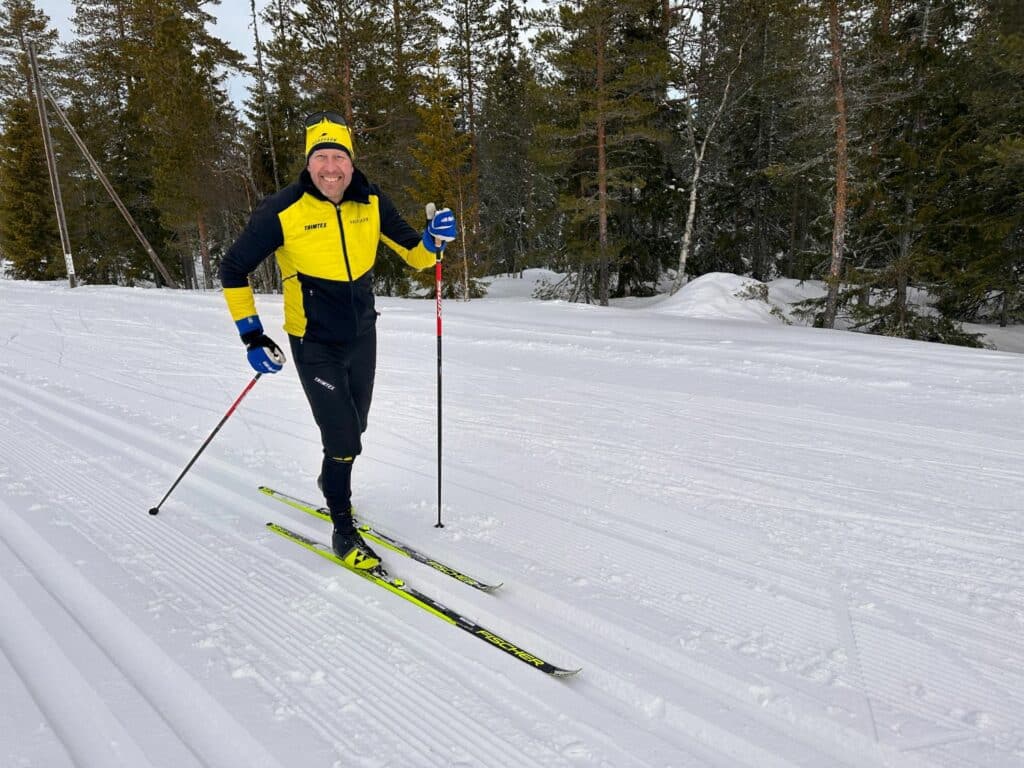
(204, 250)
(698, 160)
(474, 144)
(602, 178)
(883, 13)
(901, 298)
(261, 81)
(842, 165)
(465, 252)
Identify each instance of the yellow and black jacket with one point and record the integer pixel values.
(326, 253)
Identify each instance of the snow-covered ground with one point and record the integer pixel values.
(766, 545)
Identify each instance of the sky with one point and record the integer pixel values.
(765, 545)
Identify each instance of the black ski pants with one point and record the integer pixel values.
(338, 382)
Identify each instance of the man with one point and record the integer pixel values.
(324, 230)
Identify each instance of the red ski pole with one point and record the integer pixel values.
(156, 510)
(431, 210)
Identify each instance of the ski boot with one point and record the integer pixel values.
(350, 547)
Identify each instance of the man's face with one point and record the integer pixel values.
(331, 171)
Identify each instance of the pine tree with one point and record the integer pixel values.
(609, 67)
(393, 85)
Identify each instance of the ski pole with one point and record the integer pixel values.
(156, 510)
(431, 210)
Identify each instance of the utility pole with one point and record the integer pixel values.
(51, 163)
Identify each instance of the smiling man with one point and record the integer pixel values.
(324, 230)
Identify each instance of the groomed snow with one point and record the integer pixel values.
(766, 545)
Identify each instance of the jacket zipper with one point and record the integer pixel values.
(348, 268)
(344, 246)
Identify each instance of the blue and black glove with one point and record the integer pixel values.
(264, 355)
(440, 229)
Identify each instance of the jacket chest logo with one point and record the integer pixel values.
(318, 225)
(360, 220)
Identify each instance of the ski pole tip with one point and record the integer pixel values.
(154, 511)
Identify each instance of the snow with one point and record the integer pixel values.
(765, 544)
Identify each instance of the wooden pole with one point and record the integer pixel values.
(113, 195)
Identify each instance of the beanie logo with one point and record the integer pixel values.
(328, 135)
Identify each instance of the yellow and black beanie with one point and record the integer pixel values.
(326, 133)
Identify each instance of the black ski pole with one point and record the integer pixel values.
(431, 210)
(156, 510)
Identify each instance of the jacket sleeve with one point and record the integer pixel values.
(401, 238)
(260, 238)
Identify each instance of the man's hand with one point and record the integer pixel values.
(440, 229)
(264, 355)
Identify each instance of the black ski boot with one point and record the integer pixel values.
(350, 547)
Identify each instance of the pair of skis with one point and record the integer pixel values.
(403, 590)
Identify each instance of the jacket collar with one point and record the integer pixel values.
(358, 190)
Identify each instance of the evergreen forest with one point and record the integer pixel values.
(629, 145)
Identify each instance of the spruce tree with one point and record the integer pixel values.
(286, 106)
(515, 210)
(907, 81)
(29, 237)
(979, 234)
(767, 176)
(190, 122)
(444, 172)
(105, 113)
(472, 35)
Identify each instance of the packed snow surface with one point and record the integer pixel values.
(766, 545)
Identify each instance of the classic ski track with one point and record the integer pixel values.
(178, 556)
(965, 682)
(38, 659)
(979, 632)
(90, 609)
(799, 580)
(175, 556)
